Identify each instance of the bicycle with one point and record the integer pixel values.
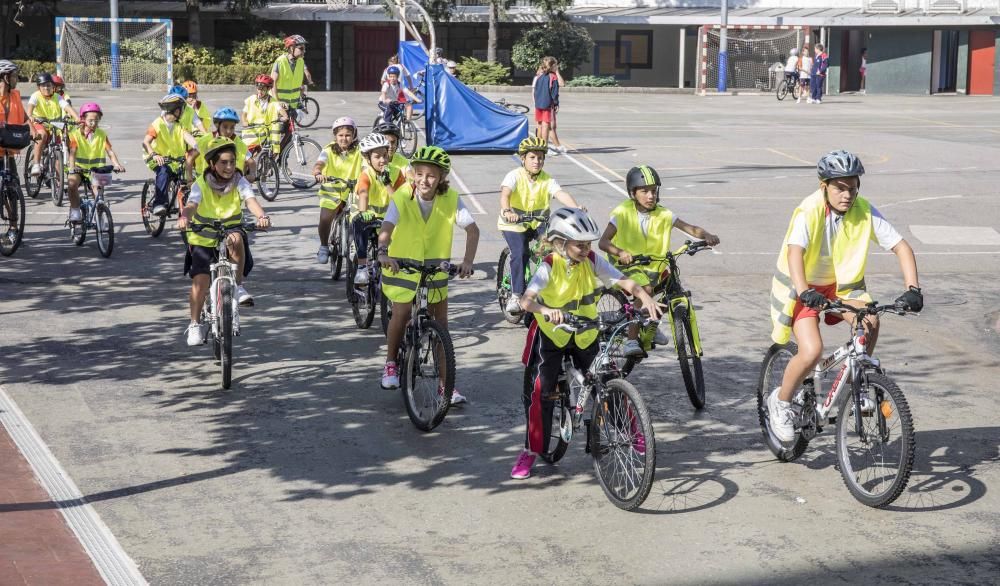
(872, 415)
(619, 429)
(512, 107)
(177, 190)
(308, 111)
(408, 137)
(504, 290)
(222, 310)
(365, 299)
(11, 207)
(426, 353)
(268, 178)
(96, 213)
(53, 161)
(683, 324)
(789, 85)
(298, 155)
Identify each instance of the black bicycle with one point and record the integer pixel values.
(11, 207)
(176, 198)
(788, 85)
(308, 111)
(52, 161)
(95, 212)
(364, 300)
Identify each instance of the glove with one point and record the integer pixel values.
(911, 300)
(812, 298)
(384, 177)
(367, 215)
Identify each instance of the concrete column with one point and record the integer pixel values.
(680, 61)
(328, 55)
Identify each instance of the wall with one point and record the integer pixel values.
(666, 48)
(899, 60)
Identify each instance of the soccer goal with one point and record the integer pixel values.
(753, 52)
(119, 52)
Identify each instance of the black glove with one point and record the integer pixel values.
(912, 300)
(384, 177)
(813, 298)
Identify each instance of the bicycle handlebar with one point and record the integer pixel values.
(689, 248)
(410, 267)
(220, 228)
(872, 308)
(576, 323)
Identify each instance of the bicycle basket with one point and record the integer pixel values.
(14, 136)
(101, 179)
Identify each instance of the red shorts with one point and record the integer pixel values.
(830, 292)
(402, 97)
(543, 115)
(39, 128)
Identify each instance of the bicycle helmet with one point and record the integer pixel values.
(293, 40)
(345, 121)
(432, 155)
(7, 66)
(224, 115)
(794, 53)
(180, 91)
(90, 107)
(58, 81)
(373, 141)
(839, 164)
(387, 128)
(392, 70)
(191, 87)
(217, 146)
(264, 79)
(43, 78)
(171, 102)
(641, 176)
(532, 144)
(572, 224)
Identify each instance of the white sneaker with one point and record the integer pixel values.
(798, 100)
(457, 398)
(160, 211)
(194, 335)
(562, 149)
(817, 101)
(809, 100)
(243, 297)
(361, 277)
(513, 306)
(390, 376)
(661, 338)
(75, 215)
(323, 255)
(553, 152)
(781, 417)
(36, 170)
(633, 349)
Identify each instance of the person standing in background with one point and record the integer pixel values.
(804, 67)
(819, 66)
(864, 68)
(555, 147)
(545, 89)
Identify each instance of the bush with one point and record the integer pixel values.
(28, 68)
(568, 43)
(188, 54)
(475, 72)
(142, 50)
(31, 49)
(218, 74)
(261, 50)
(593, 81)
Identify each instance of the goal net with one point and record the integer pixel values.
(753, 52)
(122, 52)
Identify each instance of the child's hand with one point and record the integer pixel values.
(119, 169)
(465, 269)
(389, 263)
(554, 316)
(510, 216)
(625, 257)
(712, 239)
(159, 160)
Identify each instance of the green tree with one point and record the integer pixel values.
(241, 8)
(568, 43)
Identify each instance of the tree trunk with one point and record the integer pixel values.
(491, 37)
(194, 21)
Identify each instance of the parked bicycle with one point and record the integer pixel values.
(95, 212)
(364, 300)
(11, 207)
(53, 161)
(874, 428)
(789, 85)
(504, 290)
(408, 136)
(618, 425)
(177, 190)
(512, 107)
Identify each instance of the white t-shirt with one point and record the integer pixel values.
(606, 274)
(510, 182)
(463, 218)
(403, 72)
(885, 236)
(643, 222)
(807, 65)
(391, 92)
(790, 65)
(244, 187)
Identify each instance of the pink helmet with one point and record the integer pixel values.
(91, 107)
(345, 121)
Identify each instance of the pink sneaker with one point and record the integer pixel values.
(522, 469)
(390, 376)
(639, 443)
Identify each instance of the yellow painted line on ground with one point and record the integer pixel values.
(792, 157)
(601, 165)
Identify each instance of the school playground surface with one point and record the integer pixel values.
(306, 472)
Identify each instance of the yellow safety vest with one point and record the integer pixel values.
(289, 87)
(90, 153)
(168, 142)
(205, 116)
(849, 252)
(629, 237)
(47, 108)
(268, 116)
(241, 152)
(574, 290)
(528, 197)
(378, 194)
(187, 119)
(347, 167)
(227, 207)
(423, 242)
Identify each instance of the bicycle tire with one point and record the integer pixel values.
(153, 224)
(57, 180)
(782, 90)
(608, 420)
(552, 412)
(611, 305)
(104, 230)
(770, 377)
(78, 231)
(34, 185)
(409, 138)
(385, 310)
(427, 412)
(225, 313)
(516, 108)
(12, 214)
(268, 182)
(882, 389)
(797, 91)
(504, 291)
(306, 151)
(309, 112)
(336, 254)
(378, 120)
(691, 372)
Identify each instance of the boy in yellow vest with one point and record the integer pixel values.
(45, 105)
(823, 258)
(167, 138)
(641, 226)
(340, 159)
(418, 227)
(225, 120)
(189, 119)
(526, 191)
(376, 184)
(199, 107)
(89, 148)
(219, 194)
(570, 279)
(290, 73)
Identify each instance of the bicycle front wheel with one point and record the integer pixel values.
(34, 184)
(504, 291)
(224, 311)
(782, 91)
(408, 139)
(336, 252)
(796, 91)
(429, 376)
(385, 309)
(622, 445)
(153, 224)
(772, 370)
(875, 441)
(11, 219)
(298, 158)
(268, 182)
(105, 230)
(688, 359)
(308, 113)
(57, 178)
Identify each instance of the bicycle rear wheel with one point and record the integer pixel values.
(611, 305)
(57, 177)
(875, 449)
(11, 218)
(504, 291)
(426, 395)
(308, 113)
(516, 108)
(782, 90)
(385, 309)
(104, 230)
(622, 445)
(34, 184)
(556, 418)
(796, 91)
(224, 311)
(772, 370)
(153, 224)
(298, 158)
(268, 182)
(688, 359)
(409, 139)
(336, 254)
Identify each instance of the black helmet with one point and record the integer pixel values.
(641, 176)
(839, 164)
(387, 128)
(44, 78)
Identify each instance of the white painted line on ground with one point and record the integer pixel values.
(896, 203)
(957, 235)
(480, 211)
(596, 174)
(110, 559)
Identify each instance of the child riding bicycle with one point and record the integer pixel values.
(89, 148)
(225, 120)
(166, 138)
(393, 97)
(45, 106)
(376, 185)
(340, 159)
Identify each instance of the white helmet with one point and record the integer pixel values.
(374, 141)
(7, 66)
(572, 224)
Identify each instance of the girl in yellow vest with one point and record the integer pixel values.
(45, 105)
(199, 107)
(340, 159)
(570, 279)
(89, 148)
(641, 226)
(418, 227)
(225, 120)
(391, 132)
(166, 138)
(823, 258)
(526, 191)
(262, 116)
(290, 72)
(190, 120)
(219, 194)
(376, 185)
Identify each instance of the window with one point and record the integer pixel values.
(634, 49)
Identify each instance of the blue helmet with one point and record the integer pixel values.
(392, 70)
(225, 114)
(180, 91)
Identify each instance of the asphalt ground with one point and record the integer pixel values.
(305, 471)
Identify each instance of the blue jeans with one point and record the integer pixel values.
(520, 254)
(164, 174)
(362, 232)
(816, 87)
(390, 111)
